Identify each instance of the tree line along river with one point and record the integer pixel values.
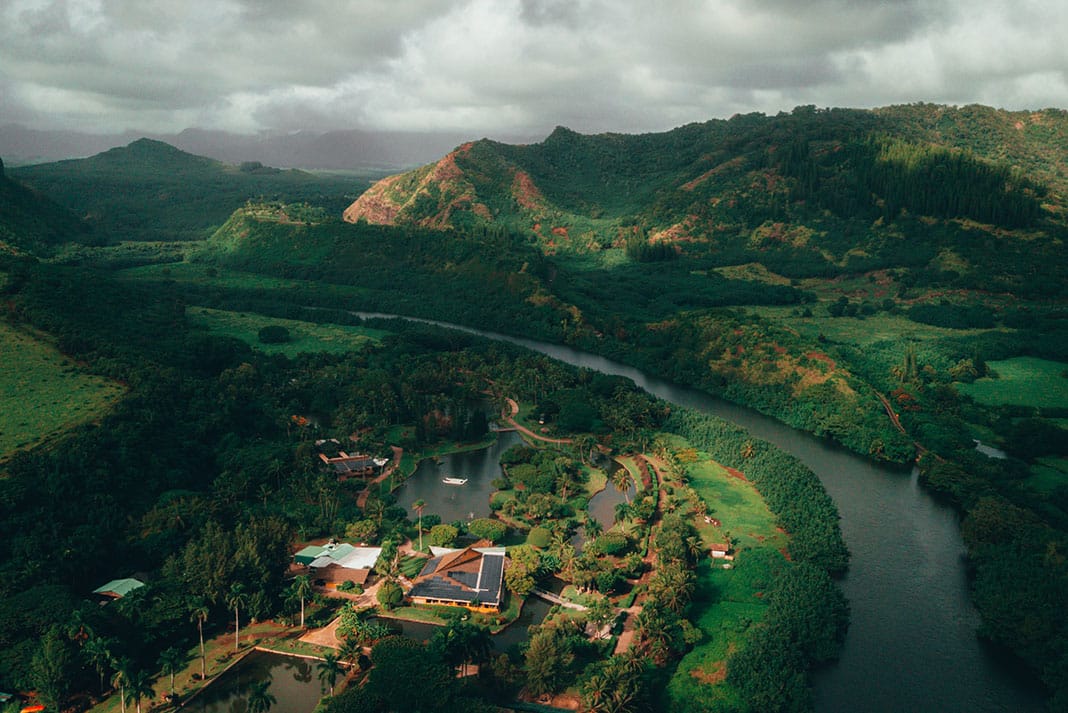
(912, 641)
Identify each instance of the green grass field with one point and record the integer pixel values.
(1022, 381)
(305, 337)
(727, 600)
(1048, 474)
(42, 392)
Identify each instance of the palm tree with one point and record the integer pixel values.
(237, 598)
(121, 678)
(260, 699)
(301, 588)
(350, 650)
(198, 612)
(97, 651)
(622, 512)
(329, 669)
(171, 661)
(139, 685)
(418, 506)
(622, 481)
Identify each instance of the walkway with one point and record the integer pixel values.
(523, 429)
(554, 599)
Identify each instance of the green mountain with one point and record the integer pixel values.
(810, 193)
(30, 222)
(150, 190)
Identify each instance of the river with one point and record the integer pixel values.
(911, 643)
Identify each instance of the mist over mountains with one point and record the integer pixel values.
(352, 149)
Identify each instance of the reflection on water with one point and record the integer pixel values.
(457, 502)
(293, 683)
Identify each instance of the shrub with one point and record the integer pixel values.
(487, 528)
(443, 535)
(540, 537)
(273, 334)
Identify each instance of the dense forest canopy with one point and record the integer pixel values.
(894, 280)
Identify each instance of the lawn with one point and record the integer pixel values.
(305, 337)
(43, 393)
(1022, 381)
(727, 601)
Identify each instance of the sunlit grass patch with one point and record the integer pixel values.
(43, 393)
(1022, 381)
(305, 337)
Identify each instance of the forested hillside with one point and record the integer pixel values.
(30, 222)
(150, 190)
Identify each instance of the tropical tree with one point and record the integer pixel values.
(236, 599)
(52, 668)
(622, 512)
(171, 661)
(622, 481)
(418, 506)
(121, 666)
(329, 669)
(301, 588)
(138, 686)
(98, 654)
(260, 698)
(198, 612)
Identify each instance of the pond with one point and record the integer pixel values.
(602, 507)
(534, 611)
(294, 683)
(457, 502)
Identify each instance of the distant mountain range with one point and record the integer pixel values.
(338, 150)
(150, 190)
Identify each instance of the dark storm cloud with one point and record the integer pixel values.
(484, 66)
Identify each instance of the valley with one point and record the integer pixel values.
(821, 267)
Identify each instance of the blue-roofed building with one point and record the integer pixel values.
(472, 577)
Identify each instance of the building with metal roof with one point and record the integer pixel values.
(472, 577)
(118, 588)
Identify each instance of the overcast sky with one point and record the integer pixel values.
(491, 67)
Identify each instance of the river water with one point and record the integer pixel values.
(911, 644)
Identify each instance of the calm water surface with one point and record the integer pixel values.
(911, 644)
(457, 502)
(294, 682)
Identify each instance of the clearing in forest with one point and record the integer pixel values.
(1022, 381)
(304, 337)
(44, 393)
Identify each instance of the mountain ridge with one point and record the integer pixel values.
(678, 185)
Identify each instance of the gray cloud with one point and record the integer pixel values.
(486, 66)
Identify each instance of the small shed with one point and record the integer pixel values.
(118, 588)
(719, 549)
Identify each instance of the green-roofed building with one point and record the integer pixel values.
(119, 588)
(309, 554)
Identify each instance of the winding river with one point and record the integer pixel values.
(911, 644)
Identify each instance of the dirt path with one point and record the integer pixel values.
(361, 500)
(523, 429)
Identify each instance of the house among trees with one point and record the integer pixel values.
(357, 465)
(118, 588)
(472, 577)
(338, 562)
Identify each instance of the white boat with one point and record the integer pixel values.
(454, 481)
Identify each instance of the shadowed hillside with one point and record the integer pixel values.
(150, 190)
